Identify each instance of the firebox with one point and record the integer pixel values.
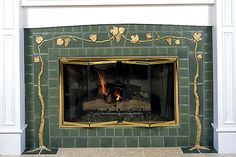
(121, 91)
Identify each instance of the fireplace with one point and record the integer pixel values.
(124, 91)
(99, 61)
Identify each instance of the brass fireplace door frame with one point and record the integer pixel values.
(141, 60)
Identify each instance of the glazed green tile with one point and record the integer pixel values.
(74, 132)
(53, 102)
(28, 69)
(170, 141)
(63, 52)
(183, 130)
(163, 50)
(155, 131)
(29, 78)
(126, 51)
(119, 142)
(65, 132)
(53, 83)
(207, 57)
(208, 103)
(208, 66)
(172, 131)
(53, 74)
(54, 120)
(93, 142)
(68, 142)
(146, 131)
(208, 48)
(101, 131)
(154, 51)
(110, 131)
(183, 72)
(92, 132)
(77, 29)
(208, 113)
(53, 110)
(67, 29)
(149, 28)
(208, 75)
(106, 142)
(183, 99)
(29, 114)
(164, 131)
(86, 29)
(30, 144)
(127, 132)
(182, 141)
(208, 141)
(119, 131)
(53, 92)
(172, 51)
(83, 132)
(144, 141)
(53, 66)
(137, 131)
(157, 141)
(81, 142)
(183, 63)
(208, 85)
(158, 28)
(131, 141)
(184, 118)
(55, 142)
(208, 122)
(53, 54)
(182, 52)
(208, 95)
(183, 81)
(183, 90)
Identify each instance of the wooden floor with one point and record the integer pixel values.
(127, 152)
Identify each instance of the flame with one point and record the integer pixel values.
(102, 81)
(117, 94)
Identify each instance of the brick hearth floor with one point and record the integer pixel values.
(126, 152)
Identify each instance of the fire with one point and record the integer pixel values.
(102, 81)
(117, 94)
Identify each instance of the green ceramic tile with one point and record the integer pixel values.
(65, 132)
(54, 120)
(106, 142)
(164, 131)
(101, 131)
(155, 131)
(183, 99)
(119, 132)
(184, 109)
(81, 142)
(55, 142)
(146, 131)
(182, 52)
(144, 142)
(74, 132)
(184, 118)
(67, 29)
(157, 141)
(183, 91)
(93, 142)
(183, 130)
(182, 141)
(172, 131)
(119, 142)
(92, 132)
(137, 131)
(127, 131)
(68, 142)
(131, 141)
(170, 142)
(110, 131)
(83, 132)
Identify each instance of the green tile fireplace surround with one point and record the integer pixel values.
(183, 135)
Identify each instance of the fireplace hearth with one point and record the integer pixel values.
(117, 91)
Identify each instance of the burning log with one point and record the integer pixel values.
(130, 105)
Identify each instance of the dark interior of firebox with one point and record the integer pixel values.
(118, 92)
